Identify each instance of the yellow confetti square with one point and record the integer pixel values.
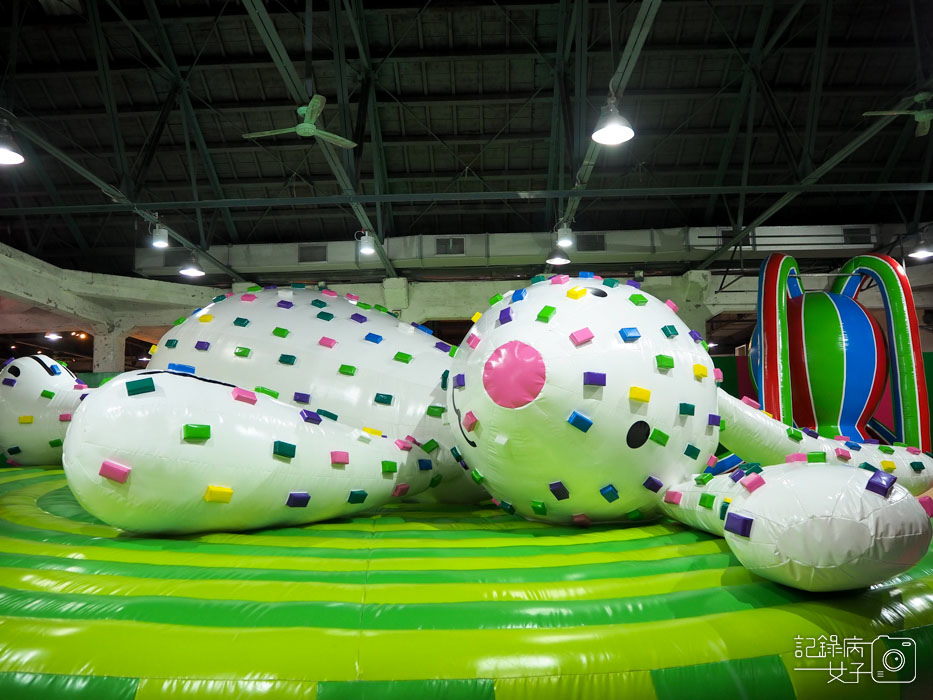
(888, 465)
(24, 420)
(373, 431)
(700, 371)
(637, 393)
(218, 494)
(576, 292)
(152, 349)
(206, 318)
(476, 317)
(768, 414)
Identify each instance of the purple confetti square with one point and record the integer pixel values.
(310, 416)
(559, 490)
(359, 318)
(442, 346)
(8, 381)
(881, 483)
(298, 499)
(82, 397)
(464, 465)
(810, 432)
(459, 380)
(505, 316)
(737, 475)
(873, 441)
(633, 283)
(696, 336)
(653, 484)
(594, 379)
(714, 419)
(271, 286)
(285, 304)
(8, 361)
(739, 524)
(301, 397)
(202, 345)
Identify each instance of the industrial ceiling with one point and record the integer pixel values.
(470, 118)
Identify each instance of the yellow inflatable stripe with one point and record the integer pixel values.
(17, 474)
(192, 689)
(628, 684)
(323, 654)
(64, 582)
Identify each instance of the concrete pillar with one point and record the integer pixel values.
(109, 348)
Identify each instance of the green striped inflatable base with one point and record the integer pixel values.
(415, 601)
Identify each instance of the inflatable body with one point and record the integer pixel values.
(38, 397)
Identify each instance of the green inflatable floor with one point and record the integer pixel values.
(423, 601)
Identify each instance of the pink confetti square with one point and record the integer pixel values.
(339, 457)
(412, 440)
(244, 395)
(403, 445)
(560, 279)
(584, 335)
(469, 421)
(473, 340)
(673, 307)
(581, 519)
(717, 374)
(597, 278)
(748, 401)
(752, 482)
(114, 471)
(327, 342)
(841, 438)
(673, 497)
(711, 462)
(795, 457)
(914, 450)
(248, 297)
(927, 504)
(328, 292)
(842, 453)
(64, 417)
(11, 463)
(80, 387)
(400, 490)
(352, 297)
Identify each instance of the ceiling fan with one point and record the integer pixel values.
(307, 127)
(923, 116)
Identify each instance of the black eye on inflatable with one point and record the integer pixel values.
(637, 434)
(13, 370)
(597, 292)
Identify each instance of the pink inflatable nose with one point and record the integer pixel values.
(514, 374)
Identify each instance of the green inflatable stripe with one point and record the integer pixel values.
(767, 675)
(460, 616)
(46, 686)
(479, 689)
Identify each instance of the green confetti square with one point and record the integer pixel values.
(287, 359)
(659, 436)
(348, 370)
(692, 451)
(280, 332)
(687, 409)
(702, 479)
(611, 282)
(917, 466)
(495, 299)
(319, 303)
(664, 361)
(171, 343)
(707, 500)
(429, 446)
(445, 377)
(195, 431)
(46, 394)
(57, 442)
(453, 350)
(752, 468)
(298, 285)
(254, 288)
(477, 477)
(241, 322)
(794, 434)
(435, 480)
(538, 508)
(886, 449)
(538, 278)
(140, 386)
(436, 411)
(638, 299)
(867, 467)
(283, 449)
(363, 305)
(327, 414)
(384, 399)
(325, 316)
(815, 457)
(241, 351)
(546, 313)
(268, 392)
(403, 357)
(389, 467)
(179, 321)
(669, 331)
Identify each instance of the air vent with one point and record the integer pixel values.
(591, 242)
(176, 257)
(857, 235)
(312, 253)
(449, 246)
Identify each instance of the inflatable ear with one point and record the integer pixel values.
(778, 281)
(908, 380)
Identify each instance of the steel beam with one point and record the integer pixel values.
(105, 81)
(816, 86)
(618, 82)
(149, 147)
(814, 177)
(742, 104)
(340, 78)
(556, 139)
(121, 200)
(296, 89)
(189, 116)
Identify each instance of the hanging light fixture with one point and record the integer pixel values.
(9, 150)
(612, 128)
(557, 256)
(367, 244)
(159, 235)
(192, 268)
(564, 236)
(921, 251)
